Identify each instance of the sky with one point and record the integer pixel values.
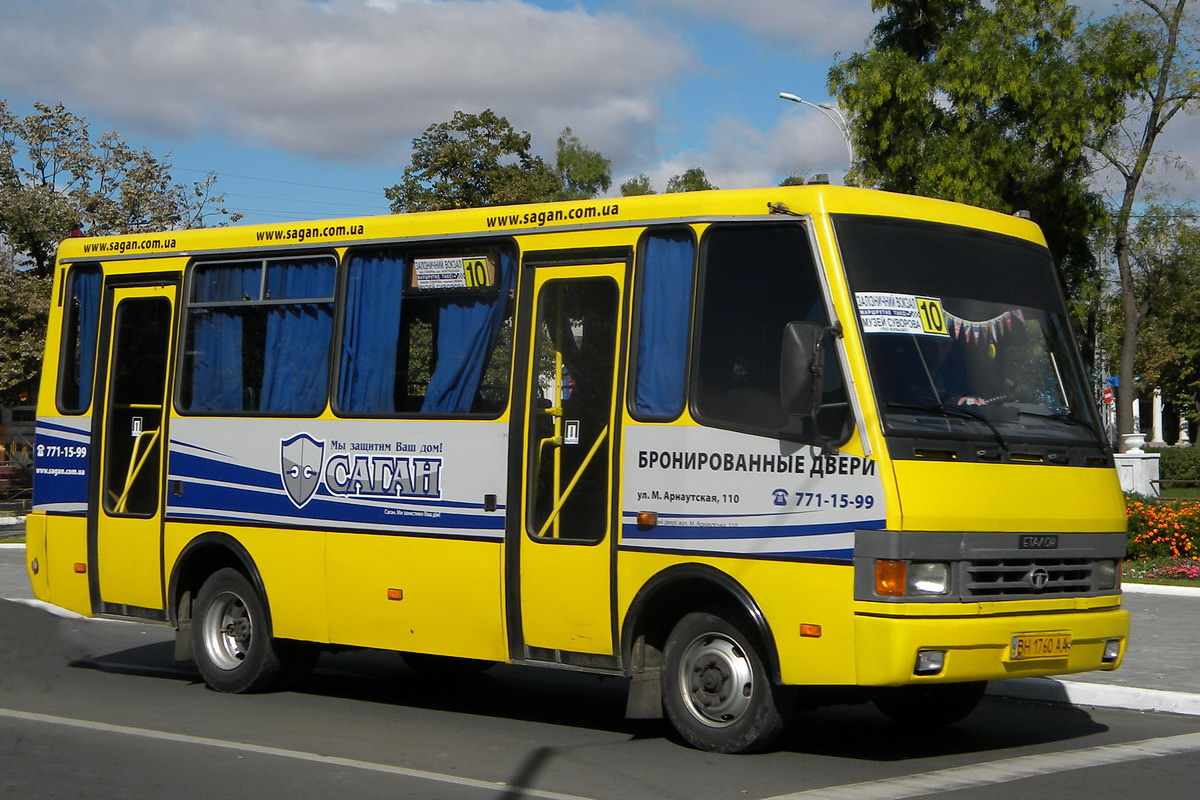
(306, 109)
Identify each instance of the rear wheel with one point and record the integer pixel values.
(231, 638)
(934, 705)
(717, 693)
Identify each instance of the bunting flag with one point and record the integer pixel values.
(986, 330)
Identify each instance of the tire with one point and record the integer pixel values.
(231, 638)
(717, 692)
(930, 706)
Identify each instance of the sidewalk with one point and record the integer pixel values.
(11, 523)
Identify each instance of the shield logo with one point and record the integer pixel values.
(300, 459)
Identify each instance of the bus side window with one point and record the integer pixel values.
(258, 334)
(78, 355)
(755, 280)
(407, 352)
(664, 312)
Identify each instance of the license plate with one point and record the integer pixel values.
(1040, 645)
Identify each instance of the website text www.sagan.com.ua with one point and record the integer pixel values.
(126, 246)
(540, 218)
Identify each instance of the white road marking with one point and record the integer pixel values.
(1002, 771)
(298, 755)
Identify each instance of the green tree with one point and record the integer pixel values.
(637, 185)
(56, 178)
(472, 160)
(993, 104)
(1171, 85)
(24, 303)
(1164, 255)
(584, 172)
(692, 180)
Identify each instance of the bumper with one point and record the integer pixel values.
(979, 648)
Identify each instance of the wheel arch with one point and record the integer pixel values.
(203, 556)
(669, 595)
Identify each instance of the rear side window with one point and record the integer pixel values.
(258, 334)
(81, 315)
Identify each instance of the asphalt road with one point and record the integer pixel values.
(95, 709)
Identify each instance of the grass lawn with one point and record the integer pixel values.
(12, 538)
(1151, 570)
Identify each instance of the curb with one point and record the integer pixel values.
(1078, 693)
(55, 610)
(1151, 588)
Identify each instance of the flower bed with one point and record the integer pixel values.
(1163, 537)
(1163, 529)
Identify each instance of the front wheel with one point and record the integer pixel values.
(717, 693)
(231, 638)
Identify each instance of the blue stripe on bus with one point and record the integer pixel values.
(201, 497)
(82, 427)
(189, 466)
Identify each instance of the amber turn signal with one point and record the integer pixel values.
(890, 578)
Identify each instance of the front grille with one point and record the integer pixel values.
(990, 567)
(1011, 578)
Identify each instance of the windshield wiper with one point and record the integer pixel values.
(954, 411)
(1065, 416)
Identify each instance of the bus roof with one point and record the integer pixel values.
(516, 220)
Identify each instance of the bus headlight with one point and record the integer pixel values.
(928, 578)
(1106, 574)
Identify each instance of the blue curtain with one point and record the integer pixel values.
(296, 350)
(666, 304)
(86, 288)
(217, 335)
(467, 331)
(371, 333)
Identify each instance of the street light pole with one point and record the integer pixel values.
(829, 111)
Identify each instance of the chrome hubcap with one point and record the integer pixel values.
(716, 680)
(228, 631)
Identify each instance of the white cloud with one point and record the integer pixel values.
(350, 80)
(737, 155)
(813, 27)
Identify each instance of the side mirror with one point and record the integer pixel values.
(802, 368)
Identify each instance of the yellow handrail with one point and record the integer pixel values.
(566, 493)
(136, 463)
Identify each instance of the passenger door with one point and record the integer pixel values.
(561, 550)
(126, 519)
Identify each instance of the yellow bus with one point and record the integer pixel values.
(748, 449)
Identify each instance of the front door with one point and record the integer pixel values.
(126, 518)
(566, 534)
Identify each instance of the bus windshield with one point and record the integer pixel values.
(966, 336)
